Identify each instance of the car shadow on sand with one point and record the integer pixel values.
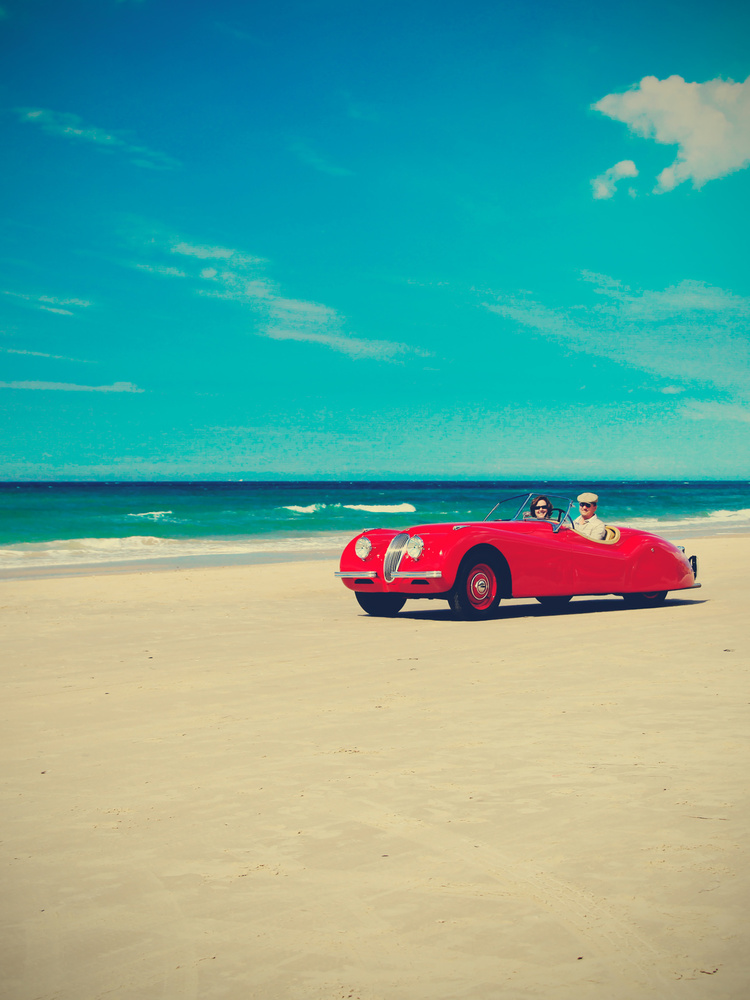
(530, 609)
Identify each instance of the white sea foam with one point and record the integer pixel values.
(93, 551)
(396, 508)
(715, 522)
(154, 515)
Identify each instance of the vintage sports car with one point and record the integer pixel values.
(512, 553)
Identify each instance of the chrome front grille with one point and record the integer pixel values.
(393, 555)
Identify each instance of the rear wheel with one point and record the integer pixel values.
(380, 605)
(475, 594)
(553, 602)
(645, 600)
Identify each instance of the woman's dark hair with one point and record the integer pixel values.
(545, 500)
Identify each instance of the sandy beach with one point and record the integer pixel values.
(230, 783)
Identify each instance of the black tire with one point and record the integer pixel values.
(554, 602)
(380, 605)
(646, 600)
(476, 592)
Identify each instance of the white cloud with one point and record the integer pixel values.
(41, 354)
(687, 332)
(699, 410)
(168, 272)
(48, 303)
(359, 110)
(65, 302)
(317, 162)
(243, 36)
(70, 126)
(605, 184)
(237, 287)
(203, 252)
(235, 276)
(70, 387)
(708, 122)
(293, 319)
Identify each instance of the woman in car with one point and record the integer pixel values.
(540, 508)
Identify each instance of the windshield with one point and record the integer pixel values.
(534, 506)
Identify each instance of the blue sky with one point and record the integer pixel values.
(342, 239)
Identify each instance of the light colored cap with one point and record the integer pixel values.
(587, 498)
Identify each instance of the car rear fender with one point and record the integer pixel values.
(660, 567)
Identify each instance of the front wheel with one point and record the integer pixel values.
(476, 593)
(380, 605)
(645, 600)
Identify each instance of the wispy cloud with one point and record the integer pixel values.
(360, 110)
(70, 387)
(203, 252)
(41, 354)
(605, 184)
(700, 410)
(70, 126)
(313, 159)
(162, 269)
(708, 122)
(48, 303)
(292, 319)
(235, 276)
(688, 332)
(243, 36)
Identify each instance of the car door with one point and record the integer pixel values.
(597, 567)
(540, 561)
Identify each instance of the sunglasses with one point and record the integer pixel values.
(587, 505)
(542, 506)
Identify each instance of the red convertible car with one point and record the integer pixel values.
(474, 564)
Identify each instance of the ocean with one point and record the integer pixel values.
(63, 526)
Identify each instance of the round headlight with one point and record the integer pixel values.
(414, 547)
(363, 547)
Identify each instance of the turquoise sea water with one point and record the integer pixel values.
(47, 525)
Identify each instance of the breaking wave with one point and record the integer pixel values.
(216, 524)
(154, 515)
(392, 508)
(714, 522)
(396, 508)
(136, 548)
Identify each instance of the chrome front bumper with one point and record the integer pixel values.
(415, 574)
(425, 574)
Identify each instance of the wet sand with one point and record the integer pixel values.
(230, 783)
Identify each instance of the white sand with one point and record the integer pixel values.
(230, 783)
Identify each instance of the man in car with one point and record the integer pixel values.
(588, 523)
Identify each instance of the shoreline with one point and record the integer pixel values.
(166, 564)
(253, 558)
